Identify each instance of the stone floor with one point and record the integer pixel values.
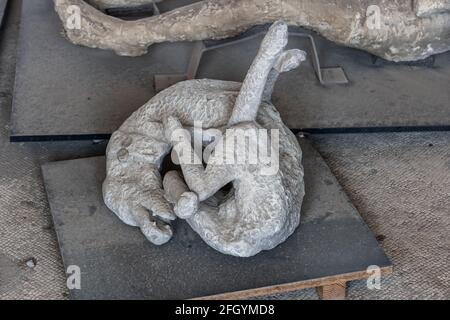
(399, 182)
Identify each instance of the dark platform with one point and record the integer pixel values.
(117, 262)
(3, 4)
(68, 92)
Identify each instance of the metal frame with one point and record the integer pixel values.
(326, 76)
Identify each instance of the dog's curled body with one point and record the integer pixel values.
(133, 188)
(261, 211)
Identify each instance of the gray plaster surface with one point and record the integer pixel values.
(66, 90)
(404, 201)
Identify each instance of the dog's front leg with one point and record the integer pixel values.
(204, 182)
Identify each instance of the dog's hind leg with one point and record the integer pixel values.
(252, 90)
(209, 220)
(204, 182)
(289, 60)
(177, 192)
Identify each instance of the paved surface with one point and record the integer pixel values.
(399, 182)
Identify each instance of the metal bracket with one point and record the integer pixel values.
(135, 12)
(326, 76)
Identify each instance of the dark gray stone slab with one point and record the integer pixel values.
(118, 263)
(65, 91)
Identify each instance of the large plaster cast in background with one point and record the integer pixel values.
(426, 8)
(261, 210)
(398, 30)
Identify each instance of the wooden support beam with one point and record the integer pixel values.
(335, 291)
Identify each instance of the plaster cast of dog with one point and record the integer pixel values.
(261, 211)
